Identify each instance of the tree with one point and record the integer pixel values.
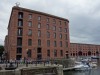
(1, 50)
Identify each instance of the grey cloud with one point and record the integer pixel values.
(83, 15)
(85, 28)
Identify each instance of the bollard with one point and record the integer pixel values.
(17, 64)
(6, 64)
(44, 63)
(35, 63)
(26, 64)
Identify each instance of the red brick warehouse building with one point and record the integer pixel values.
(40, 34)
(79, 49)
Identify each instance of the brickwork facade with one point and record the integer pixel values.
(36, 35)
(79, 49)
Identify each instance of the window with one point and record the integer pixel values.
(55, 44)
(48, 26)
(19, 50)
(66, 43)
(29, 42)
(66, 51)
(39, 42)
(30, 24)
(20, 23)
(48, 53)
(60, 43)
(30, 16)
(39, 25)
(39, 50)
(60, 29)
(54, 35)
(54, 21)
(61, 52)
(60, 22)
(29, 53)
(18, 57)
(66, 36)
(48, 43)
(30, 32)
(39, 18)
(20, 32)
(65, 30)
(55, 53)
(19, 41)
(54, 28)
(47, 19)
(20, 15)
(39, 33)
(48, 34)
(60, 36)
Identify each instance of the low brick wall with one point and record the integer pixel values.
(6, 72)
(65, 62)
(35, 71)
(40, 71)
(10, 72)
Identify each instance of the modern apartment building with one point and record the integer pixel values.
(79, 49)
(36, 35)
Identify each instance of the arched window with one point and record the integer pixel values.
(80, 53)
(89, 53)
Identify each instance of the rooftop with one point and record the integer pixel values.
(42, 13)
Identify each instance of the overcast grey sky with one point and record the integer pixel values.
(84, 16)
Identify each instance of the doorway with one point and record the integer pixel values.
(39, 53)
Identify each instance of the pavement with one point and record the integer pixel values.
(21, 66)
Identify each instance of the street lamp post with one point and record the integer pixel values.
(6, 58)
(26, 57)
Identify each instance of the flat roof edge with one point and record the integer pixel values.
(29, 10)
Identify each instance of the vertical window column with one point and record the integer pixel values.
(19, 33)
